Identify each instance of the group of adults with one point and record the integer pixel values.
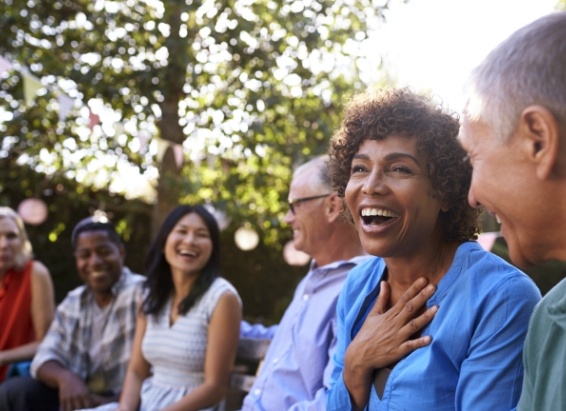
(401, 309)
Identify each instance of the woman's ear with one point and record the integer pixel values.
(540, 136)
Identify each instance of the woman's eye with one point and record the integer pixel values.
(401, 169)
(356, 169)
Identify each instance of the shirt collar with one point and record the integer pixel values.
(337, 264)
(118, 285)
(557, 311)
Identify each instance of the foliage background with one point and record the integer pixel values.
(248, 89)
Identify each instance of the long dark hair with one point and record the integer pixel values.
(159, 282)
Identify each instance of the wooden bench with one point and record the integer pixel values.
(249, 360)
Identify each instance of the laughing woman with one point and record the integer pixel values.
(435, 323)
(187, 335)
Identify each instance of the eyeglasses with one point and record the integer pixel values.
(295, 201)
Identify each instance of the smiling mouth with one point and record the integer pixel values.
(188, 253)
(377, 216)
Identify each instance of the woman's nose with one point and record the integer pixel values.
(374, 184)
(188, 238)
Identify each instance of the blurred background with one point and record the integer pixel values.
(130, 107)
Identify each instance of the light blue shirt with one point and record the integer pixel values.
(474, 360)
(296, 371)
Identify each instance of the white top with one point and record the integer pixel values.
(176, 352)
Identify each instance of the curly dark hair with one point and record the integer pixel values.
(377, 114)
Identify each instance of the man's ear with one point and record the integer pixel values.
(541, 136)
(122, 249)
(334, 207)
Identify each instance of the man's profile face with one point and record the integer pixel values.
(99, 261)
(501, 178)
(308, 222)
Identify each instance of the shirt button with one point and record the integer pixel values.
(257, 391)
(276, 360)
(305, 297)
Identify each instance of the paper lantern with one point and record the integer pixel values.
(246, 238)
(292, 256)
(33, 211)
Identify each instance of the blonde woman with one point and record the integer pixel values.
(26, 294)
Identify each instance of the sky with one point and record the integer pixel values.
(432, 45)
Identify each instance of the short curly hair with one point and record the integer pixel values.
(377, 114)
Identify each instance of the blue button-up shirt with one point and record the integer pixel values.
(296, 371)
(474, 360)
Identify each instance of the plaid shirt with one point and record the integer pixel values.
(68, 339)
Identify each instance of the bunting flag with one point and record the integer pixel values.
(179, 156)
(65, 106)
(162, 146)
(93, 119)
(5, 65)
(31, 86)
(119, 129)
(486, 240)
(143, 138)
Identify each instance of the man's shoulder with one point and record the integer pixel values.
(553, 304)
(129, 282)
(74, 295)
(132, 279)
(557, 294)
(344, 265)
(130, 289)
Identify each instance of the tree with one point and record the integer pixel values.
(248, 88)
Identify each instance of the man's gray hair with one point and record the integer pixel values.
(528, 68)
(320, 163)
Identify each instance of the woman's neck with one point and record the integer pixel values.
(403, 272)
(182, 284)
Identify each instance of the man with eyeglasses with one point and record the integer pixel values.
(297, 366)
